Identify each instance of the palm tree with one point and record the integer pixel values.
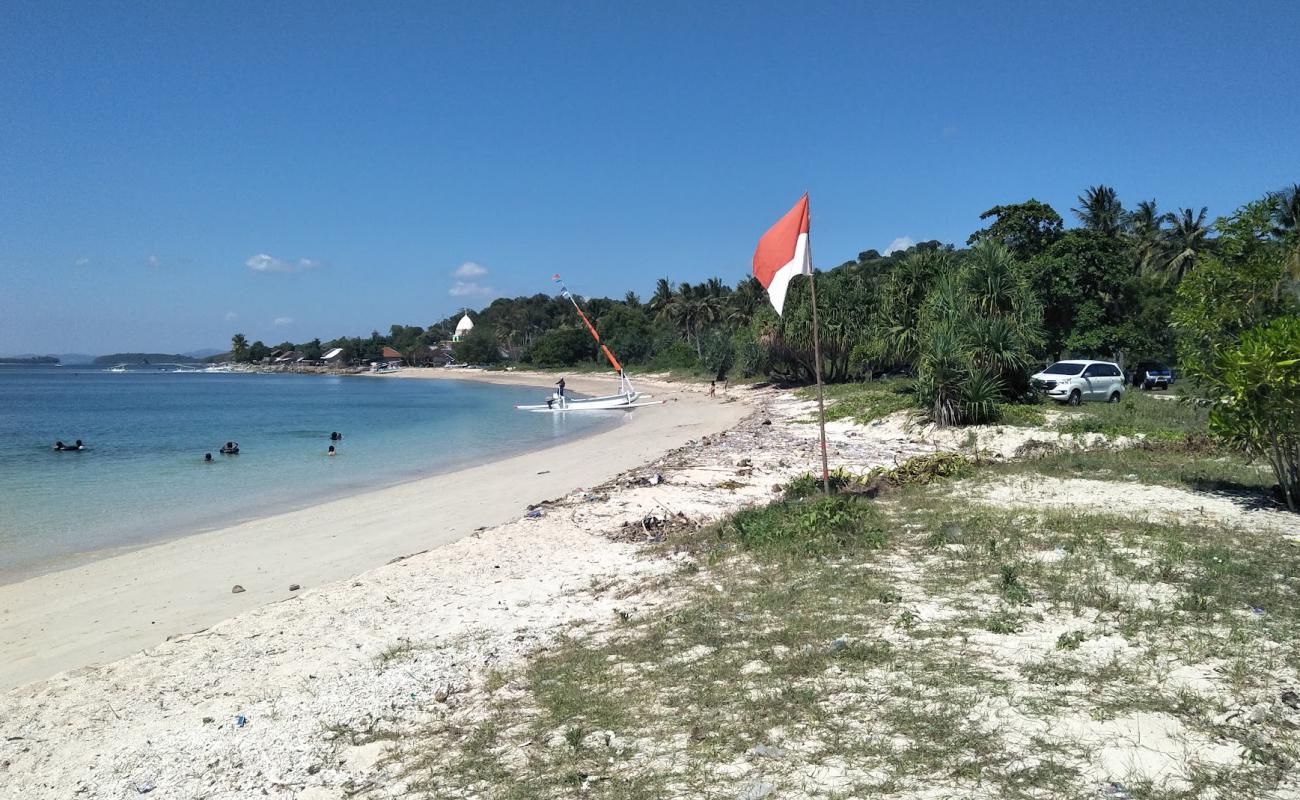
(745, 302)
(1286, 216)
(1100, 210)
(662, 299)
(1146, 226)
(239, 347)
(632, 300)
(1187, 238)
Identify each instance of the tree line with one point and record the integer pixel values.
(971, 323)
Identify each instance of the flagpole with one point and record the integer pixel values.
(817, 368)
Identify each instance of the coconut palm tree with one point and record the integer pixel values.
(1146, 227)
(239, 347)
(1187, 238)
(1100, 210)
(1286, 216)
(632, 300)
(662, 299)
(744, 302)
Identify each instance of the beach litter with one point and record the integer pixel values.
(241, 721)
(536, 513)
(293, 587)
(236, 589)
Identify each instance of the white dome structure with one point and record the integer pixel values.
(463, 328)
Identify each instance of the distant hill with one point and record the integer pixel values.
(145, 358)
(74, 358)
(206, 352)
(28, 360)
(62, 358)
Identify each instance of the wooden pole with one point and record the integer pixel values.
(817, 368)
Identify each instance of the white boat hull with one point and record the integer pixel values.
(613, 402)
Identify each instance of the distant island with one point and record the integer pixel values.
(28, 360)
(145, 358)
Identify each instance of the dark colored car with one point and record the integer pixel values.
(1152, 375)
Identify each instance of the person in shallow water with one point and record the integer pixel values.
(231, 449)
(331, 451)
(60, 446)
(207, 457)
(560, 383)
(336, 437)
(69, 447)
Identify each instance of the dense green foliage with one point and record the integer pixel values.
(1257, 383)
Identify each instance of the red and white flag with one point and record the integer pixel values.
(783, 253)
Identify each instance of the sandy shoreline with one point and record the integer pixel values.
(108, 608)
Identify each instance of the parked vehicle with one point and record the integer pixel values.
(1073, 382)
(1152, 375)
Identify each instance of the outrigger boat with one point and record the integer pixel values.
(627, 398)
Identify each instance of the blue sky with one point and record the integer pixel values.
(171, 173)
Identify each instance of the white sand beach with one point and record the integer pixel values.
(109, 608)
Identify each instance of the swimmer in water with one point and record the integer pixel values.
(336, 437)
(60, 446)
(207, 457)
(332, 451)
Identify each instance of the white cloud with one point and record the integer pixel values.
(81, 262)
(263, 262)
(153, 262)
(901, 243)
(231, 316)
(280, 322)
(470, 270)
(469, 289)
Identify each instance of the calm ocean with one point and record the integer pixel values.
(142, 477)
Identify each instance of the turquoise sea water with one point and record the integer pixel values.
(142, 477)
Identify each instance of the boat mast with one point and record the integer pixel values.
(622, 378)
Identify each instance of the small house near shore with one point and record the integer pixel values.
(332, 357)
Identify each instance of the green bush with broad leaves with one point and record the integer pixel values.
(1257, 384)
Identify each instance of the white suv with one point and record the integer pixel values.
(1075, 381)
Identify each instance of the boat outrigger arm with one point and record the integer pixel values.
(627, 397)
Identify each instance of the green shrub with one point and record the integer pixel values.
(813, 526)
(1259, 406)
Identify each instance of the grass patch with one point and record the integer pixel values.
(394, 653)
(1139, 413)
(916, 471)
(1022, 415)
(813, 525)
(865, 402)
(1188, 463)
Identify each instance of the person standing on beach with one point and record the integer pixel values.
(713, 388)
